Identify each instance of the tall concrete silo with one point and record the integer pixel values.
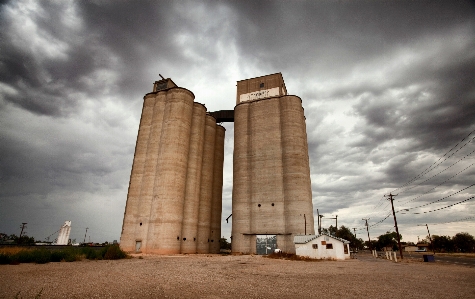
(217, 195)
(271, 178)
(166, 216)
(193, 182)
(206, 192)
(131, 214)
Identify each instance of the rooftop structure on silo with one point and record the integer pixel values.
(260, 88)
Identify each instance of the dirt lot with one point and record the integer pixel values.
(215, 276)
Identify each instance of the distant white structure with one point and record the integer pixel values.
(322, 247)
(64, 233)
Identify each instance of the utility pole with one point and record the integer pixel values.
(395, 223)
(23, 226)
(430, 239)
(85, 235)
(336, 219)
(367, 230)
(318, 223)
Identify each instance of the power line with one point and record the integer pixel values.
(443, 207)
(441, 183)
(439, 172)
(408, 209)
(427, 170)
(459, 220)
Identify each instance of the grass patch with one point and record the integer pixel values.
(17, 255)
(291, 257)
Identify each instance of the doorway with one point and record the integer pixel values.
(266, 244)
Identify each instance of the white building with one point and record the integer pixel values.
(322, 247)
(64, 232)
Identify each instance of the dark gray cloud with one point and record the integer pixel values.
(387, 87)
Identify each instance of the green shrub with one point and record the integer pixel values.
(5, 259)
(66, 255)
(113, 252)
(24, 256)
(41, 256)
(91, 253)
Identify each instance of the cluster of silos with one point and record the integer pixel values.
(175, 191)
(271, 175)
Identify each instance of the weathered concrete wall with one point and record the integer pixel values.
(217, 198)
(193, 182)
(166, 215)
(171, 184)
(241, 204)
(131, 213)
(206, 192)
(271, 174)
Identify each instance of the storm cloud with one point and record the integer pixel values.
(388, 91)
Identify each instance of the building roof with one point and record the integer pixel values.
(303, 239)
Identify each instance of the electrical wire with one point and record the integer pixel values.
(443, 207)
(408, 209)
(440, 183)
(436, 163)
(459, 220)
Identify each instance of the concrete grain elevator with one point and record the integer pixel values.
(175, 192)
(174, 199)
(271, 176)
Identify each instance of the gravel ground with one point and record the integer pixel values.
(236, 276)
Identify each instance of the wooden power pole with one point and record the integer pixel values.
(367, 230)
(395, 224)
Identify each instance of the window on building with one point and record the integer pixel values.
(346, 249)
(329, 246)
(262, 85)
(324, 242)
(315, 246)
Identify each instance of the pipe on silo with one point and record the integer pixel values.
(217, 198)
(193, 180)
(169, 189)
(241, 198)
(206, 189)
(131, 214)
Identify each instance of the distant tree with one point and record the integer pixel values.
(224, 244)
(329, 231)
(17, 240)
(464, 242)
(389, 239)
(345, 233)
(442, 244)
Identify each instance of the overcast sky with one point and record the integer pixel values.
(388, 89)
